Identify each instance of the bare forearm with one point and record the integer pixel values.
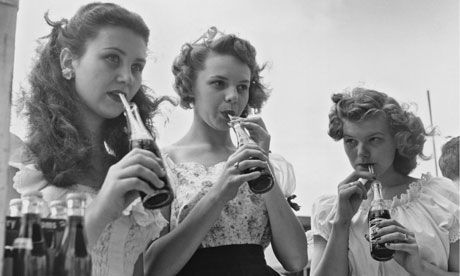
(169, 254)
(334, 260)
(289, 241)
(429, 269)
(95, 223)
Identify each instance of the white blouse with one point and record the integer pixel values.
(121, 242)
(429, 208)
(244, 219)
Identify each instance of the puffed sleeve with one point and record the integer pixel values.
(443, 195)
(323, 213)
(284, 174)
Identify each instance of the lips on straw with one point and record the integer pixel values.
(124, 101)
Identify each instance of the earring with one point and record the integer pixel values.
(67, 73)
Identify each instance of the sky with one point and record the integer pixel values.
(312, 49)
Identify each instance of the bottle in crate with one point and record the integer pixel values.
(53, 229)
(73, 257)
(29, 249)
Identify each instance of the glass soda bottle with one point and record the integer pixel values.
(140, 137)
(29, 250)
(378, 212)
(73, 257)
(265, 181)
(53, 229)
(12, 225)
(13, 221)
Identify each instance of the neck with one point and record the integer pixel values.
(394, 183)
(202, 133)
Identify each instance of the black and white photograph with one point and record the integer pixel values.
(236, 137)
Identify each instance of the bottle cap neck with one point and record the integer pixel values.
(32, 205)
(241, 134)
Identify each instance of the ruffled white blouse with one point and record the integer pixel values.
(121, 242)
(429, 208)
(244, 219)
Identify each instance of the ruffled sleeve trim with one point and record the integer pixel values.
(144, 217)
(284, 174)
(323, 214)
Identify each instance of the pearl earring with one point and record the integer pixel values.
(67, 73)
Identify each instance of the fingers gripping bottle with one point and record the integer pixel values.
(265, 181)
(377, 212)
(140, 137)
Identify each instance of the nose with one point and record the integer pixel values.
(125, 75)
(231, 95)
(363, 151)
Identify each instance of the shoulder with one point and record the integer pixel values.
(440, 187)
(323, 213)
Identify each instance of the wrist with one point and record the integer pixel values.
(422, 270)
(341, 223)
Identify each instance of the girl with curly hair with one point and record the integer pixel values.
(424, 227)
(217, 225)
(77, 140)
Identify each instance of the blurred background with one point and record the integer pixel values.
(312, 49)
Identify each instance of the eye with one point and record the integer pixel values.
(218, 84)
(112, 58)
(375, 140)
(242, 88)
(350, 143)
(138, 67)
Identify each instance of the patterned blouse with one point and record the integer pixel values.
(244, 219)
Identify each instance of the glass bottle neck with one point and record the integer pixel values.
(241, 135)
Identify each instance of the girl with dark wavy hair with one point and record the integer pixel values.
(424, 226)
(77, 140)
(218, 226)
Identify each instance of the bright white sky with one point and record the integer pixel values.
(313, 48)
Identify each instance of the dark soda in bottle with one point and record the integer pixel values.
(264, 182)
(12, 226)
(53, 230)
(140, 137)
(29, 250)
(378, 212)
(13, 221)
(73, 257)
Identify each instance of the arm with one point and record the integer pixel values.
(120, 188)
(331, 257)
(169, 254)
(453, 264)
(403, 241)
(288, 238)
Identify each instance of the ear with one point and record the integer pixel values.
(66, 58)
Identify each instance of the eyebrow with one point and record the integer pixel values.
(124, 53)
(372, 134)
(224, 78)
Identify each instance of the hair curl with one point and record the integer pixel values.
(57, 138)
(406, 128)
(192, 59)
(449, 159)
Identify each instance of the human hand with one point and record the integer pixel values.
(351, 192)
(398, 238)
(233, 176)
(258, 131)
(136, 171)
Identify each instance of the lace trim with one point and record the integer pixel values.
(413, 192)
